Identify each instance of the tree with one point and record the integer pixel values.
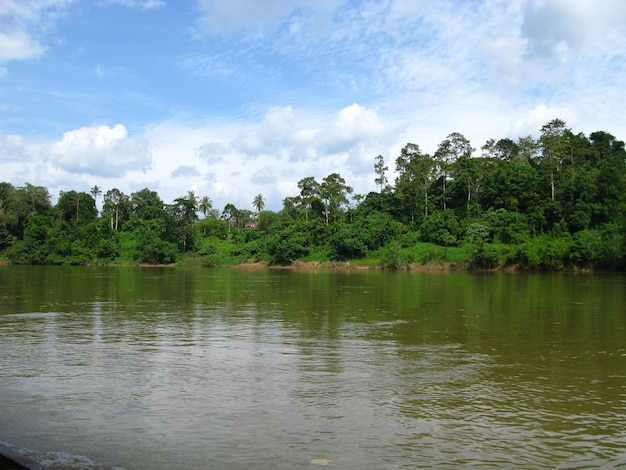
(309, 192)
(17, 205)
(528, 148)
(205, 205)
(555, 149)
(146, 205)
(609, 157)
(258, 203)
(116, 207)
(230, 214)
(74, 206)
(504, 149)
(333, 192)
(454, 155)
(192, 198)
(416, 172)
(96, 192)
(183, 213)
(381, 170)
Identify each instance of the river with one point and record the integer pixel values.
(160, 368)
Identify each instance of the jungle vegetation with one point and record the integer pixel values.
(552, 203)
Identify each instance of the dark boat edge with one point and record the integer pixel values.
(11, 460)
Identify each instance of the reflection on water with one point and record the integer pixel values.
(160, 368)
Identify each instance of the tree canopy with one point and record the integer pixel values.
(556, 202)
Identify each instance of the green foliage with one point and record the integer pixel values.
(544, 253)
(485, 255)
(558, 202)
(210, 227)
(364, 235)
(289, 244)
(586, 249)
(393, 257)
(613, 250)
(441, 228)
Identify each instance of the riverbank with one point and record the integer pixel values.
(349, 266)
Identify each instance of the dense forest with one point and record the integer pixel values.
(552, 203)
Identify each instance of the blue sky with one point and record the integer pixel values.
(235, 98)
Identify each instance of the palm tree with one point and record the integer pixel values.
(258, 203)
(205, 205)
(96, 192)
(191, 197)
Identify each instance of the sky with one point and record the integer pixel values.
(235, 98)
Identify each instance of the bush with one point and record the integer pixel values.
(441, 228)
(289, 245)
(365, 235)
(586, 249)
(393, 257)
(544, 253)
(484, 256)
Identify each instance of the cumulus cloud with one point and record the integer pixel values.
(286, 136)
(531, 123)
(271, 135)
(101, 150)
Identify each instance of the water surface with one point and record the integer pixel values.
(156, 368)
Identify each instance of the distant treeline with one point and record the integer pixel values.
(557, 202)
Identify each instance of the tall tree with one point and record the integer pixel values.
(146, 205)
(76, 206)
(504, 149)
(381, 171)
(453, 148)
(183, 214)
(416, 171)
(258, 203)
(230, 214)
(205, 205)
(116, 207)
(192, 198)
(309, 192)
(96, 192)
(333, 192)
(555, 149)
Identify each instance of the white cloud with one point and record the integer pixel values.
(18, 44)
(556, 28)
(12, 148)
(290, 136)
(274, 91)
(101, 150)
(531, 123)
(24, 25)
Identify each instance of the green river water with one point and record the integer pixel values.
(160, 368)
